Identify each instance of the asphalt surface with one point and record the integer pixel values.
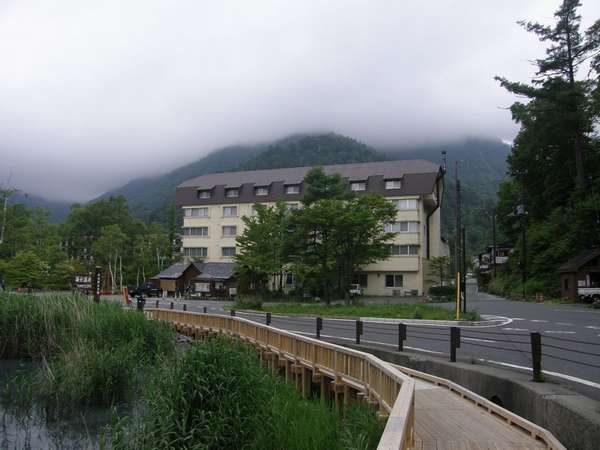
(570, 335)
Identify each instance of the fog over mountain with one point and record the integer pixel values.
(94, 94)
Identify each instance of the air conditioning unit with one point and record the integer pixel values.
(397, 292)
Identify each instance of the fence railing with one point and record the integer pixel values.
(369, 377)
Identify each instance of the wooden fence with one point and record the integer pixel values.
(341, 372)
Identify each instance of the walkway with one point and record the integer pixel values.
(445, 420)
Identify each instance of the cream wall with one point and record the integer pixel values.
(411, 267)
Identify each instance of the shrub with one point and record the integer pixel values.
(442, 291)
(217, 396)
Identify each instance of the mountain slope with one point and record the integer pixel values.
(312, 150)
(58, 210)
(148, 198)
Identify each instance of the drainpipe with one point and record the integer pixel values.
(438, 204)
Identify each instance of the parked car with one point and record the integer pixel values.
(355, 290)
(589, 294)
(145, 290)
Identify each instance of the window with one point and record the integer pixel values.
(289, 278)
(232, 193)
(261, 191)
(393, 281)
(402, 227)
(204, 194)
(292, 189)
(195, 252)
(358, 186)
(227, 252)
(229, 211)
(406, 204)
(393, 184)
(360, 279)
(404, 250)
(292, 206)
(253, 211)
(195, 231)
(195, 212)
(229, 230)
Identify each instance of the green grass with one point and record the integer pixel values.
(391, 311)
(217, 396)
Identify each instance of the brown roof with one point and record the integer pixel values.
(418, 178)
(581, 259)
(295, 175)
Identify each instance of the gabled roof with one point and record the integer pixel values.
(172, 272)
(581, 259)
(214, 270)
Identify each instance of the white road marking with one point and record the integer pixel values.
(547, 372)
(518, 318)
(591, 327)
(559, 332)
(515, 329)
(514, 366)
(478, 340)
(564, 324)
(539, 321)
(372, 342)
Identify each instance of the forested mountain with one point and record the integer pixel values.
(482, 166)
(149, 198)
(58, 210)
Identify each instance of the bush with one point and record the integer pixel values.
(91, 353)
(217, 396)
(442, 291)
(248, 303)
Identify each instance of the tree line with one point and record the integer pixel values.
(554, 165)
(38, 254)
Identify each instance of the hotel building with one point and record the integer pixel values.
(214, 205)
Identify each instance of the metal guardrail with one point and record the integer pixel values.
(377, 381)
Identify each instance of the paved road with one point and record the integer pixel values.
(570, 335)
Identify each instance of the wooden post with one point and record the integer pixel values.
(359, 331)
(536, 356)
(454, 342)
(401, 336)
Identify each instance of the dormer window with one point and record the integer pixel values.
(204, 193)
(261, 190)
(292, 189)
(393, 184)
(358, 186)
(235, 192)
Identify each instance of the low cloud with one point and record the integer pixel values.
(93, 94)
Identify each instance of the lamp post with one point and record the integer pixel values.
(521, 213)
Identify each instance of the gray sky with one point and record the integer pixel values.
(94, 93)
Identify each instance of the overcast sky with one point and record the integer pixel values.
(94, 93)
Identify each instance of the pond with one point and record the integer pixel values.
(31, 431)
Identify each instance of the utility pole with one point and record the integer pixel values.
(457, 246)
(464, 270)
(494, 239)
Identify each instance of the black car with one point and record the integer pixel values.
(145, 290)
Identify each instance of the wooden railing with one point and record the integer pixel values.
(346, 371)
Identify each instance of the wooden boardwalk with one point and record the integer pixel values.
(445, 420)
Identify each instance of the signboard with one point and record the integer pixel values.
(97, 283)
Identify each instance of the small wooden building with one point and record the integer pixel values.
(176, 278)
(215, 279)
(582, 271)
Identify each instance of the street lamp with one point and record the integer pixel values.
(521, 213)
